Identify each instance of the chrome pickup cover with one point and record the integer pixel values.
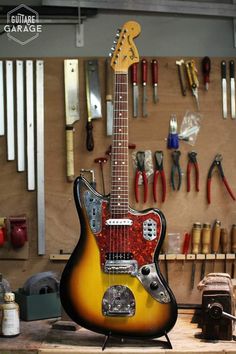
(119, 222)
(118, 300)
(149, 229)
(121, 267)
(93, 206)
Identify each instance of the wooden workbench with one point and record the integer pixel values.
(39, 337)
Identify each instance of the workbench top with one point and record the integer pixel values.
(39, 337)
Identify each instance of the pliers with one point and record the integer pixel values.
(217, 163)
(175, 169)
(159, 171)
(192, 161)
(140, 157)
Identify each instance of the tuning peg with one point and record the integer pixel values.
(118, 30)
(113, 49)
(110, 54)
(115, 42)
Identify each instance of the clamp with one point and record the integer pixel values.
(159, 171)
(217, 163)
(140, 157)
(192, 161)
(175, 169)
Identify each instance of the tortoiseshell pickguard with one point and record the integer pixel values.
(128, 239)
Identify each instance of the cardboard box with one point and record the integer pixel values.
(38, 307)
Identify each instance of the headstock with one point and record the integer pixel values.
(125, 52)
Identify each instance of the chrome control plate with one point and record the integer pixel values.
(150, 280)
(93, 206)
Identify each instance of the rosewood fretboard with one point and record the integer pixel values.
(119, 198)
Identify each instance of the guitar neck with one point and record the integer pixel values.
(119, 198)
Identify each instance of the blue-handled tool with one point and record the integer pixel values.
(173, 139)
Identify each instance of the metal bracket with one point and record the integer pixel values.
(79, 30)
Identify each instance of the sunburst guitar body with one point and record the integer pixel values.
(112, 283)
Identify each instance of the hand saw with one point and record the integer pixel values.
(93, 94)
(71, 78)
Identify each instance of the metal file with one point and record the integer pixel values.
(40, 155)
(20, 115)
(10, 111)
(2, 115)
(232, 88)
(30, 143)
(224, 88)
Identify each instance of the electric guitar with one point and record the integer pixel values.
(112, 283)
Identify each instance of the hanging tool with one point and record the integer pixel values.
(30, 122)
(206, 244)
(206, 68)
(109, 103)
(224, 238)
(159, 171)
(176, 170)
(180, 65)
(215, 240)
(2, 100)
(192, 161)
(40, 155)
(140, 157)
(233, 249)
(186, 244)
(144, 84)
(196, 241)
(154, 65)
(10, 111)
(71, 82)
(217, 163)
(92, 176)
(20, 115)
(134, 81)
(173, 138)
(224, 88)
(93, 94)
(193, 79)
(101, 161)
(232, 88)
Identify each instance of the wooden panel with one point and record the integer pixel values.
(181, 209)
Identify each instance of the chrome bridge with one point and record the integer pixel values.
(118, 300)
(121, 267)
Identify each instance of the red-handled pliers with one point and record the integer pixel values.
(217, 163)
(192, 161)
(159, 171)
(140, 157)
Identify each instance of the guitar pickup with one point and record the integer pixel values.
(119, 222)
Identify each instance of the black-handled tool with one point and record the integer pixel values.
(232, 88)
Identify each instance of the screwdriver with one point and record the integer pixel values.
(206, 68)
(233, 248)
(206, 242)
(215, 240)
(196, 238)
(186, 244)
(224, 245)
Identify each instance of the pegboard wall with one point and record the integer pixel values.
(181, 209)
